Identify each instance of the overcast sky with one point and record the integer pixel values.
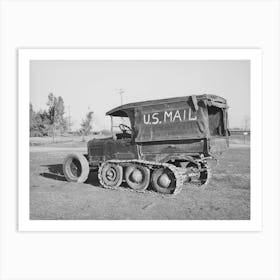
(91, 85)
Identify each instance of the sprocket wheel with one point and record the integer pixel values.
(111, 175)
(199, 173)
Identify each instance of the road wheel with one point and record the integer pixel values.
(111, 175)
(137, 177)
(76, 168)
(163, 181)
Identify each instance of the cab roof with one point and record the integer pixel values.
(212, 100)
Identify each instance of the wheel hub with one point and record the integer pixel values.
(137, 176)
(111, 174)
(164, 180)
(74, 168)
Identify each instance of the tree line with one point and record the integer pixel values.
(52, 121)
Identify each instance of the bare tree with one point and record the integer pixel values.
(56, 112)
(86, 125)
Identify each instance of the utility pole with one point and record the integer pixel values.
(91, 120)
(53, 130)
(120, 91)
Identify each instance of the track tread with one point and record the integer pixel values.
(179, 173)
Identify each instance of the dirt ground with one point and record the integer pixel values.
(227, 197)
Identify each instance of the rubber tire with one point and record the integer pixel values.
(138, 186)
(155, 176)
(84, 168)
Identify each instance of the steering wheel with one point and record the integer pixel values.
(125, 129)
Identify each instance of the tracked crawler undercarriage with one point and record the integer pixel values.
(139, 175)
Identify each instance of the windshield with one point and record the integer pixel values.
(120, 125)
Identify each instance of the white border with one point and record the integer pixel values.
(254, 55)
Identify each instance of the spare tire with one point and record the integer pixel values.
(76, 168)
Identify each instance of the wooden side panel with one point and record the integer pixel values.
(160, 151)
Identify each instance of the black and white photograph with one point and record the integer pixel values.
(139, 139)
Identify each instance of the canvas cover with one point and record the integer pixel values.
(171, 121)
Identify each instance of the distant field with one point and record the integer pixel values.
(62, 140)
(240, 139)
(79, 141)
